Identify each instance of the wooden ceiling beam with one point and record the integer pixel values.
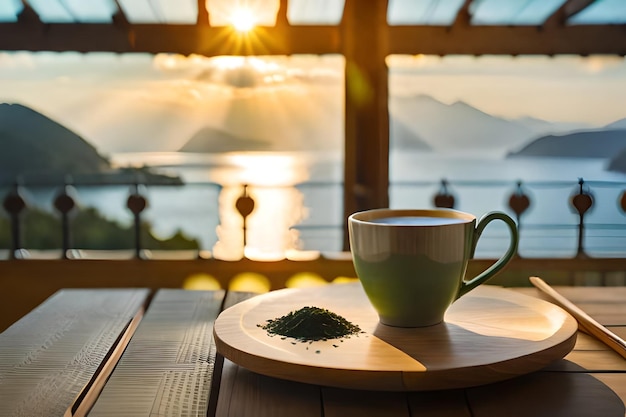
(285, 39)
(508, 40)
(463, 16)
(572, 7)
(183, 39)
(28, 15)
(203, 13)
(565, 12)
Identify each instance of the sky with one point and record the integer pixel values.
(139, 102)
(134, 102)
(560, 89)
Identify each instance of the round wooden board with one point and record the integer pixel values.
(489, 335)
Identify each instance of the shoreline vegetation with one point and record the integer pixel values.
(42, 230)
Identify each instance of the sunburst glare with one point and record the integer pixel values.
(227, 12)
(243, 19)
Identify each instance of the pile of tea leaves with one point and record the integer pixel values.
(310, 324)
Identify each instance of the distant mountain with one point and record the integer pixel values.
(618, 124)
(402, 137)
(458, 126)
(212, 140)
(542, 127)
(586, 144)
(33, 145)
(618, 162)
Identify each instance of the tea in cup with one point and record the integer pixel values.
(412, 263)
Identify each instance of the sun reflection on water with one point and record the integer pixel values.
(270, 180)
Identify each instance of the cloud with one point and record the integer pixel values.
(529, 66)
(239, 72)
(100, 66)
(135, 102)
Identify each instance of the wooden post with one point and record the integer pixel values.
(366, 170)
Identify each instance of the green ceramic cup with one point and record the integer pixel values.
(412, 263)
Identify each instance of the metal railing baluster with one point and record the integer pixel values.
(582, 202)
(64, 204)
(14, 204)
(136, 203)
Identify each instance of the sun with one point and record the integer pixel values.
(243, 19)
(242, 14)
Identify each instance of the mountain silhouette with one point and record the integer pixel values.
(211, 140)
(543, 127)
(35, 146)
(586, 144)
(32, 143)
(618, 124)
(459, 126)
(618, 162)
(402, 137)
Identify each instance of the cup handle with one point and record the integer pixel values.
(467, 286)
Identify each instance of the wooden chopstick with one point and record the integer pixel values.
(585, 321)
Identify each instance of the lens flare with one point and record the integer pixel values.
(243, 19)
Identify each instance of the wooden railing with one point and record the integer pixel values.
(27, 282)
(580, 200)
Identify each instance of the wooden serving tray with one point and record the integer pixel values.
(489, 335)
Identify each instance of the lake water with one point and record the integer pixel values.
(299, 200)
(549, 226)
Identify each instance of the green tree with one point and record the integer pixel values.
(89, 230)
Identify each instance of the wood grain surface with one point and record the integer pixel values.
(491, 334)
(171, 367)
(50, 356)
(167, 367)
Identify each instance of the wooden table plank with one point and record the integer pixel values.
(586, 341)
(600, 360)
(599, 295)
(549, 394)
(609, 314)
(247, 394)
(364, 403)
(591, 357)
(232, 298)
(51, 354)
(605, 304)
(614, 380)
(166, 369)
(448, 403)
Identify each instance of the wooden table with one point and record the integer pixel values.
(127, 352)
